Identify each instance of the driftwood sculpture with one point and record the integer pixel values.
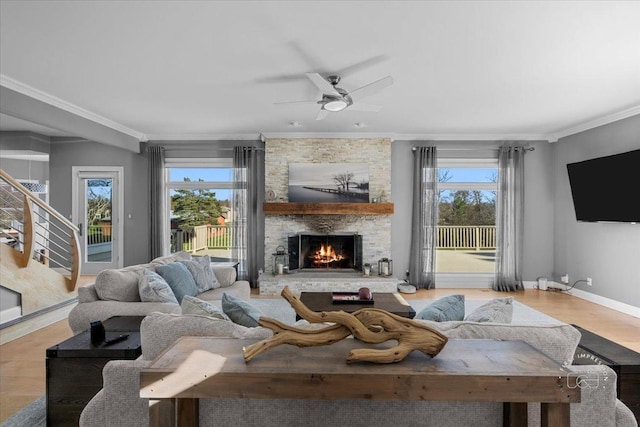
(369, 325)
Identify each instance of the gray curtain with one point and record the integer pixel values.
(509, 219)
(248, 217)
(424, 219)
(158, 206)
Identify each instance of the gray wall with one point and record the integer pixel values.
(538, 249)
(64, 155)
(608, 253)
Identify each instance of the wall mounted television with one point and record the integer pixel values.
(605, 189)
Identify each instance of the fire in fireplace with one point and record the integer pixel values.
(322, 252)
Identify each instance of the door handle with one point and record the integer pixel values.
(80, 229)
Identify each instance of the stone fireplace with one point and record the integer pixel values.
(373, 231)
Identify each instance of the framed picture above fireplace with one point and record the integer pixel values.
(328, 183)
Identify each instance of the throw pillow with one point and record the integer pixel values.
(200, 269)
(179, 279)
(498, 310)
(193, 305)
(226, 276)
(178, 256)
(444, 309)
(239, 311)
(153, 288)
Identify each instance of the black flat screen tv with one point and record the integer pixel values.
(605, 189)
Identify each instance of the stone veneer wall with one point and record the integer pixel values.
(375, 229)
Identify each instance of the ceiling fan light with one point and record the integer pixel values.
(335, 105)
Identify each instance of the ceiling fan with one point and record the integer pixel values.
(336, 99)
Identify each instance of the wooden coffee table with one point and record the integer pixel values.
(391, 302)
(465, 370)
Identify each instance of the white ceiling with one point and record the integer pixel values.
(196, 70)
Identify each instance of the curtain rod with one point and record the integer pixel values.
(475, 149)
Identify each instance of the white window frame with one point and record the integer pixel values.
(466, 280)
(185, 163)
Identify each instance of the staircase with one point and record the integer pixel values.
(39, 258)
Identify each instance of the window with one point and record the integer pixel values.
(200, 214)
(466, 234)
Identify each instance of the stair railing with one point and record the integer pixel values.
(37, 230)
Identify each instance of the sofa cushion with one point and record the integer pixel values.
(498, 310)
(558, 341)
(153, 287)
(178, 256)
(200, 269)
(179, 279)
(240, 311)
(119, 284)
(193, 305)
(159, 330)
(444, 309)
(226, 275)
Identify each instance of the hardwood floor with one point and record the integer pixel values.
(22, 361)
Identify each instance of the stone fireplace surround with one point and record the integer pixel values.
(374, 229)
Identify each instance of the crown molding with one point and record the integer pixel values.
(205, 137)
(470, 137)
(326, 135)
(601, 121)
(39, 95)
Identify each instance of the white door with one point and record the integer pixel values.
(97, 211)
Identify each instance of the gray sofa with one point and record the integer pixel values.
(115, 293)
(118, 403)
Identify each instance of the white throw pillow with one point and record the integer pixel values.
(153, 288)
(193, 305)
(498, 310)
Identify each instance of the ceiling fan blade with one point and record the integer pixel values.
(352, 69)
(322, 114)
(323, 84)
(365, 107)
(296, 102)
(371, 88)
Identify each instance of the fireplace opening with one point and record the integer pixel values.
(321, 252)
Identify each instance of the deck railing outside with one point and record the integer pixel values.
(475, 237)
(200, 238)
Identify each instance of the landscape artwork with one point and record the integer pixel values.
(328, 183)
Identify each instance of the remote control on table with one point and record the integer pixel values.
(116, 339)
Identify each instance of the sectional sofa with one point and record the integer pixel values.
(116, 292)
(119, 404)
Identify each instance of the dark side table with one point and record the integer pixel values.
(74, 368)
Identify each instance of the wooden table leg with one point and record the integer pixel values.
(555, 414)
(187, 414)
(514, 414)
(161, 413)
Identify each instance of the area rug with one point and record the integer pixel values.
(33, 415)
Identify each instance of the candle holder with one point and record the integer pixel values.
(279, 260)
(385, 267)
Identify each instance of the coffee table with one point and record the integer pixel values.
(74, 368)
(465, 370)
(391, 302)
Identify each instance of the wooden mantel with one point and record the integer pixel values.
(328, 208)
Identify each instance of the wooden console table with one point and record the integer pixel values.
(466, 370)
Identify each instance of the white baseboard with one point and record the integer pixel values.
(10, 313)
(607, 302)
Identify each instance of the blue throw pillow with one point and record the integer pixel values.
(444, 309)
(240, 312)
(179, 279)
